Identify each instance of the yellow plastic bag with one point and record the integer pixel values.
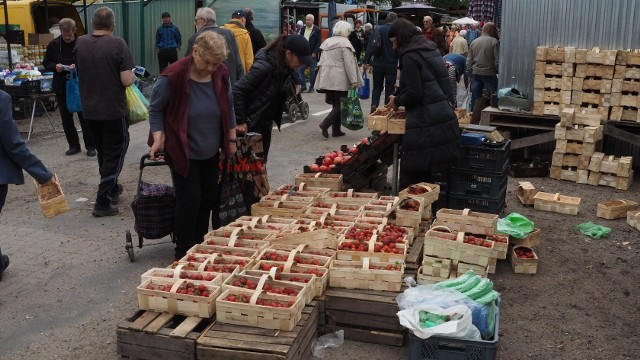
(137, 110)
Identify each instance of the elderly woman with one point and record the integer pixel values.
(191, 117)
(431, 141)
(338, 73)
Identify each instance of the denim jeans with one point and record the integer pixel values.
(480, 82)
(312, 76)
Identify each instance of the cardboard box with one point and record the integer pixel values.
(39, 39)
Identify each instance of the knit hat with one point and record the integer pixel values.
(238, 14)
(165, 14)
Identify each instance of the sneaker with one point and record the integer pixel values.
(325, 132)
(115, 195)
(104, 210)
(338, 134)
(72, 151)
(91, 152)
(310, 91)
(5, 264)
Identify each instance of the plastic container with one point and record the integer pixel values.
(46, 82)
(472, 139)
(480, 204)
(440, 348)
(474, 183)
(485, 158)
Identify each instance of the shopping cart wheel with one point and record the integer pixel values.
(293, 112)
(129, 246)
(304, 110)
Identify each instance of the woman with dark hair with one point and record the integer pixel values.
(259, 96)
(431, 141)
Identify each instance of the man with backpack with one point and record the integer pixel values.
(385, 62)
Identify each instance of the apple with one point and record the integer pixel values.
(337, 160)
(323, 168)
(314, 167)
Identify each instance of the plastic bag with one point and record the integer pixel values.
(515, 225)
(334, 340)
(365, 90)
(140, 95)
(594, 231)
(73, 93)
(137, 110)
(459, 324)
(351, 112)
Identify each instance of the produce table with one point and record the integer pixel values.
(36, 99)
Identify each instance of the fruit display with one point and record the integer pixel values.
(187, 288)
(330, 160)
(367, 274)
(473, 240)
(410, 205)
(397, 266)
(269, 286)
(209, 277)
(178, 296)
(244, 298)
(295, 269)
(524, 253)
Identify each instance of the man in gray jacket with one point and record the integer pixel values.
(482, 62)
(205, 20)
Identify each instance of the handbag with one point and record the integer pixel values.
(231, 201)
(350, 111)
(73, 93)
(250, 168)
(137, 110)
(364, 91)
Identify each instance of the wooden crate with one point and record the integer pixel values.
(627, 72)
(235, 342)
(561, 159)
(452, 246)
(604, 86)
(523, 266)
(621, 166)
(596, 56)
(153, 335)
(377, 120)
(467, 221)
(174, 303)
(626, 99)
(552, 96)
(423, 279)
(396, 126)
(365, 316)
(366, 275)
(180, 273)
(556, 203)
(315, 239)
(350, 197)
(409, 218)
(619, 113)
(482, 271)
(436, 267)
(620, 85)
(377, 256)
(431, 194)
(546, 108)
(286, 209)
(525, 192)
(322, 273)
(334, 182)
(500, 245)
(594, 70)
(610, 180)
(262, 281)
(557, 54)
(223, 251)
(590, 97)
(633, 219)
(551, 82)
(532, 240)
(585, 134)
(592, 109)
(616, 209)
(51, 198)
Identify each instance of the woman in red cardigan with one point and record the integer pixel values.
(191, 118)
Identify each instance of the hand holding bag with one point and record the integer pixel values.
(351, 112)
(73, 93)
(231, 205)
(364, 91)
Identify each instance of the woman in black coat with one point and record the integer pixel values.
(431, 143)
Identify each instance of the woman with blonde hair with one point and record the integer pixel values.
(191, 118)
(338, 73)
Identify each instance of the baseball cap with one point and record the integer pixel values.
(238, 14)
(165, 14)
(299, 46)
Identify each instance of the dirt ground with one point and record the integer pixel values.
(70, 282)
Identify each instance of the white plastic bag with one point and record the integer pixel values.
(459, 327)
(430, 294)
(332, 340)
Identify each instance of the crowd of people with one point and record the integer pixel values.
(232, 82)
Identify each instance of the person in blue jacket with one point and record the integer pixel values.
(168, 42)
(15, 156)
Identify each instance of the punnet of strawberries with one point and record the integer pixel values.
(498, 238)
(391, 267)
(474, 240)
(243, 282)
(417, 190)
(242, 298)
(410, 204)
(188, 288)
(524, 253)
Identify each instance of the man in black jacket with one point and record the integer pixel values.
(311, 32)
(59, 60)
(385, 62)
(257, 39)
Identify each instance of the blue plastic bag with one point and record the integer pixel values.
(365, 90)
(73, 93)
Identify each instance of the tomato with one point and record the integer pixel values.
(314, 167)
(323, 168)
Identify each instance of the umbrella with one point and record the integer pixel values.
(465, 21)
(417, 9)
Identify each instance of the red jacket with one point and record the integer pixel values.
(176, 112)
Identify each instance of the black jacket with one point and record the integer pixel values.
(54, 56)
(432, 133)
(257, 39)
(315, 39)
(387, 56)
(262, 87)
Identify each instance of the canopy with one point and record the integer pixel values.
(465, 21)
(417, 9)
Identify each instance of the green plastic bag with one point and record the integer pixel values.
(350, 111)
(137, 110)
(515, 225)
(594, 231)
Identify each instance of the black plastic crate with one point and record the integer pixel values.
(22, 109)
(25, 88)
(485, 157)
(440, 348)
(481, 184)
(489, 205)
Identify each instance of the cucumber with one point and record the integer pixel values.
(483, 288)
(457, 281)
(475, 280)
(488, 298)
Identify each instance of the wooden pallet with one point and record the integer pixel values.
(234, 342)
(603, 86)
(563, 159)
(364, 315)
(592, 109)
(586, 134)
(572, 174)
(596, 56)
(594, 71)
(552, 82)
(153, 335)
(609, 164)
(610, 180)
(619, 113)
(556, 54)
(616, 209)
(552, 96)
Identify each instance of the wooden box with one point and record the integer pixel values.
(424, 279)
(321, 180)
(287, 209)
(521, 265)
(396, 126)
(525, 192)
(253, 314)
(51, 198)
(350, 197)
(633, 219)
(377, 120)
(322, 273)
(556, 203)
(151, 298)
(467, 221)
(377, 256)
(500, 245)
(616, 209)
(436, 267)
(408, 217)
(316, 239)
(532, 240)
(482, 271)
(153, 335)
(367, 275)
(211, 278)
(452, 246)
(234, 342)
(430, 195)
(223, 251)
(268, 285)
